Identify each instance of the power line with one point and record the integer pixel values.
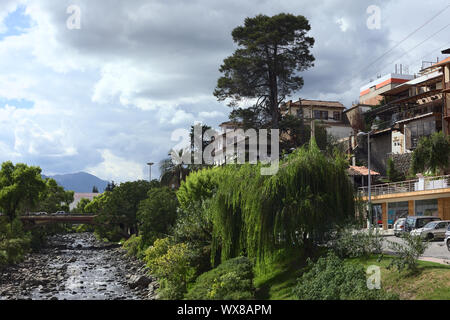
(408, 36)
(416, 46)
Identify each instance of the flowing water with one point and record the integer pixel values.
(75, 267)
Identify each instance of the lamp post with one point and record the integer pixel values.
(370, 215)
(150, 170)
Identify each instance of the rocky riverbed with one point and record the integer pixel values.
(78, 267)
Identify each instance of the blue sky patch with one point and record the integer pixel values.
(16, 23)
(18, 103)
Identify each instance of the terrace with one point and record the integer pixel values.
(416, 185)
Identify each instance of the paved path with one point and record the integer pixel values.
(436, 250)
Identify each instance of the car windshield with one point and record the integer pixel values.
(430, 225)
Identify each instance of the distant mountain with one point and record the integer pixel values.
(79, 182)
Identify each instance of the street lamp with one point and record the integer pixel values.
(374, 127)
(150, 170)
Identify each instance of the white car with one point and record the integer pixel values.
(432, 230)
(60, 212)
(447, 238)
(399, 227)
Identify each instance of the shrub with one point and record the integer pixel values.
(350, 244)
(157, 214)
(232, 280)
(407, 253)
(332, 279)
(134, 246)
(172, 264)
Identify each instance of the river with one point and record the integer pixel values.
(77, 267)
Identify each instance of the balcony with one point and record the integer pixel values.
(421, 184)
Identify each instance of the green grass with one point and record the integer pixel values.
(430, 282)
(277, 284)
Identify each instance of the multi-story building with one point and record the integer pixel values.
(370, 93)
(414, 109)
(329, 113)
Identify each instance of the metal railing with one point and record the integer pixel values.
(426, 183)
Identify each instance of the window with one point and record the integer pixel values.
(397, 210)
(336, 115)
(426, 207)
(300, 113)
(320, 115)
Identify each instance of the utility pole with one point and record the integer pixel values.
(150, 170)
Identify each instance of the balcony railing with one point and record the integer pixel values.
(426, 183)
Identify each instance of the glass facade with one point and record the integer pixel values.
(426, 208)
(396, 210)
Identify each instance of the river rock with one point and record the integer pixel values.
(138, 281)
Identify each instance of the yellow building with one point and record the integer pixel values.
(425, 196)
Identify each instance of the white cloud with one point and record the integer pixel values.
(118, 169)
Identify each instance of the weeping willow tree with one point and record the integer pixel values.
(255, 215)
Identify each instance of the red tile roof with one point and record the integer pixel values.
(361, 171)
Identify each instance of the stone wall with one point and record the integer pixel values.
(402, 162)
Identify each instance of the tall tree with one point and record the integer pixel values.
(94, 189)
(20, 186)
(54, 198)
(265, 67)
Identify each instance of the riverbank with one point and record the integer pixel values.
(78, 267)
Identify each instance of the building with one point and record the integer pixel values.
(355, 116)
(78, 196)
(370, 93)
(411, 110)
(428, 196)
(329, 113)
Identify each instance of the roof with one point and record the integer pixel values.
(437, 64)
(318, 103)
(230, 123)
(361, 171)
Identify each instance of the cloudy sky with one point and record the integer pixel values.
(106, 98)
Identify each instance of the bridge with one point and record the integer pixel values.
(47, 219)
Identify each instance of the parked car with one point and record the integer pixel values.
(447, 238)
(416, 222)
(60, 213)
(399, 227)
(432, 230)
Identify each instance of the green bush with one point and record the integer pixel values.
(232, 280)
(407, 253)
(350, 244)
(332, 279)
(172, 264)
(157, 214)
(134, 247)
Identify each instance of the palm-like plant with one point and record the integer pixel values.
(173, 170)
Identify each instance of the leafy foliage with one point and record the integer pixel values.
(271, 52)
(255, 214)
(116, 210)
(134, 246)
(20, 186)
(171, 263)
(157, 214)
(54, 198)
(332, 279)
(408, 252)
(350, 244)
(393, 174)
(232, 280)
(432, 154)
